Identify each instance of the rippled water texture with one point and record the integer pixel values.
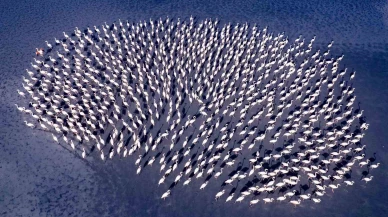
(40, 178)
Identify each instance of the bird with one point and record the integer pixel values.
(268, 200)
(166, 194)
(253, 202)
(374, 166)
(29, 124)
(229, 198)
(203, 185)
(138, 170)
(102, 155)
(219, 194)
(316, 200)
(204, 100)
(281, 198)
(367, 179)
(54, 138)
(332, 186)
(21, 93)
(295, 202)
(187, 181)
(83, 153)
(305, 197)
(39, 51)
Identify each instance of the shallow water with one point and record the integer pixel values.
(39, 178)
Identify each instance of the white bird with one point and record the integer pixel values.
(178, 177)
(281, 198)
(83, 153)
(72, 144)
(49, 45)
(332, 186)
(166, 194)
(295, 202)
(229, 198)
(268, 200)
(138, 160)
(367, 179)
(203, 185)
(187, 181)
(21, 93)
(364, 163)
(316, 200)
(253, 202)
(138, 170)
(219, 194)
(374, 166)
(241, 198)
(161, 181)
(102, 155)
(29, 124)
(55, 138)
(151, 161)
(98, 80)
(305, 197)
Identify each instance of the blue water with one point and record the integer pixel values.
(39, 178)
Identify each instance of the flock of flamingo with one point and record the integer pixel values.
(265, 118)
